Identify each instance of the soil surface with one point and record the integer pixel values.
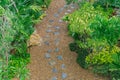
(53, 60)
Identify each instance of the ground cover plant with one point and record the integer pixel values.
(17, 18)
(96, 33)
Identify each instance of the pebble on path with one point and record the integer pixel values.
(72, 6)
(64, 75)
(63, 66)
(56, 49)
(54, 78)
(47, 36)
(60, 10)
(48, 31)
(52, 62)
(59, 57)
(47, 55)
(49, 51)
(51, 21)
(49, 26)
(56, 15)
(54, 70)
(46, 42)
(56, 33)
(57, 27)
(69, 10)
(57, 41)
(60, 21)
(65, 6)
(66, 13)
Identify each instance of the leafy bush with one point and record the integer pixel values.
(82, 53)
(17, 18)
(96, 36)
(6, 37)
(79, 20)
(114, 68)
(79, 30)
(107, 3)
(103, 3)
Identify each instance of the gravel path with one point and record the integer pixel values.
(53, 60)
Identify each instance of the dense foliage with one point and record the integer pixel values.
(107, 3)
(96, 33)
(17, 18)
(102, 3)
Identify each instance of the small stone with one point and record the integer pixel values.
(52, 62)
(71, 4)
(56, 33)
(64, 75)
(47, 36)
(66, 13)
(60, 21)
(59, 57)
(57, 41)
(49, 26)
(56, 49)
(47, 55)
(57, 27)
(72, 7)
(49, 51)
(65, 6)
(46, 42)
(63, 66)
(48, 31)
(51, 21)
(54, 70)
(54, 78)
(60, 10)
(69, 10)
(56, 15)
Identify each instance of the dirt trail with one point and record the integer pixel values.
(53, 60)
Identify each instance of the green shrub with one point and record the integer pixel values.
(82, 53)
(79, 21)
(73, 46)
(17, 18)
(96, 36)
(6, 37)
(108, 3)
(79, 30)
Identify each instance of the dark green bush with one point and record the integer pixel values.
(108, 3)
(82, 53)
(73, 46)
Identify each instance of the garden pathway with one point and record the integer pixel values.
(53, 60)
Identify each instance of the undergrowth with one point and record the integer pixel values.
(17, 18)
